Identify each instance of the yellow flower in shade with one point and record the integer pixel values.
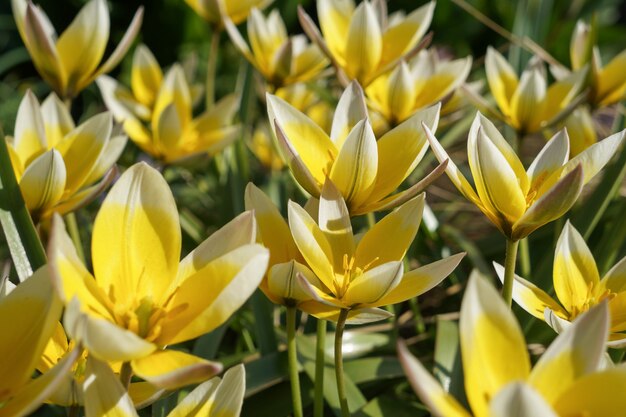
(364, 169)
(309, 102)
(422, 82)
(60, 166)
(527, 104)
(519, 201)
(362, 41)
(236, 10)
(262, 146)
(105, 396)
(499, 382)
(71, 62)
(578, 287)
(608, 83)
(28, 315)
(281, 59)
(581, 129)
(359, 275)
(157, 113)
(142, 299)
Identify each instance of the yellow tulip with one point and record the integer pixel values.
(527, 104)
(581, 129)
(578, 288)
(157, 113)
(262, 146)
(28, 315)
(519, 201)
(106, 397)
(237, 10)
(362, 41)
(281, 60)
(309, 102)
(60, 166)
(140, 299)
(71, 62)
(359, 276)
(608, 84)
(365, 169)
(499, 382)
(422, 82)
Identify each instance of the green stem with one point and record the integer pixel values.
(318, 401)
(73, 410)
(126, 373)
(72, 226)
(509, 270)
(212, 69)
(293, 361)
(341, 387)
(24, 244)
(524, 258)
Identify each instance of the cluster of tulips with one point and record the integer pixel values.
(94, 334)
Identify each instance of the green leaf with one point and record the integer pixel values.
(448, 368)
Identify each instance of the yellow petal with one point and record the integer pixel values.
(574, 353)
(308, 140)
(87, 194)
(56, 347)
(448, 76)
(174, 92)
(580, 127)
(209, 297)
(350, 110)
(390, 238)
(395, 166)
(82, 45)
(312, 243)
(523, 399)
(274, 232)
(104, 394)
(364, 44)
(82, 147)
(528, 109)
(136, 238)
(284, 287)
(122, 47)
(214, 397)
(146, 75)
(427, 388)
(615, 279)
(41, 389)
(551, 158)
(560, 94)
(502, 80)
(401, 93)
(168, 133)
(266, 37)
(29, 139)
(530, 297)
(171, 369)
(334, 17)
(30, 314)
(575, 270)
(113, 148)
(368, 289)
(611, 81)
(43, 182)
(492, 344)
(334, 222)
(422, 279)
(617, 307)
(595, 395)
(56, 119)
(579, 47)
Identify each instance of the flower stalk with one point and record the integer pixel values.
(318, 399)
(293, 361)
(509, 270)
(341, 387)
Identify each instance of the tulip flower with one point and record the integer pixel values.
(581, 130)
(364, 169)
(527, 104)
(106, 397)
(140, 299)
(363, 42)
(236, 10)
(281, 60)
(519, 201)
(29, 313)
(499, 382)
(70, 62)
(157, 113)
(59, 166)
(578, 287)
(422, 82)
(608, 84)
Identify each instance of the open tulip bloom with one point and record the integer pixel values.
(71, 62)
(578, 287)
(59, 166)
(157, 112)
(527, 104)
(499, 382)
(363, 42)
(236, 10)
(519, 201)
(359, 276)
(140, 298)
(280, 59)
(30, 312)
(365, 170)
